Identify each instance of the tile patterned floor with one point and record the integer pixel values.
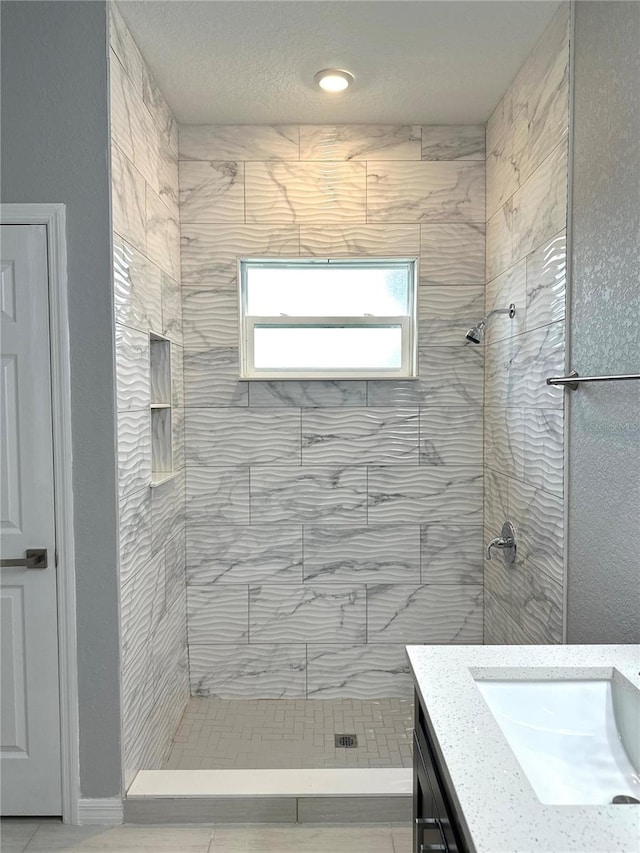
(25, 836)
(267, 733)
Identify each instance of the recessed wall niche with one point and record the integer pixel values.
(161, 442)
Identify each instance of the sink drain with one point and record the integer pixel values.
(346, 741)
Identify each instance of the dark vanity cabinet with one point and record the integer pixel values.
(435, 823)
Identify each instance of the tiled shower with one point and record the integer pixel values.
(312, 529)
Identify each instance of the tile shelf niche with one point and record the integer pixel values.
(161, 440)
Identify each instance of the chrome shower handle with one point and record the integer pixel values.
(499, 542)
(506, 542)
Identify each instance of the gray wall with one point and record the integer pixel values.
(55, 139)
(604, 420)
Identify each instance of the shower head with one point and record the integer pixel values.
(476, 334)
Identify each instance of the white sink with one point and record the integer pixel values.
(578, 742)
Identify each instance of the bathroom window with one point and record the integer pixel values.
(311, 318)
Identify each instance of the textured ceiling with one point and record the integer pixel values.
(253, 61)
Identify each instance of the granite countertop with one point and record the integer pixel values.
(499, 810)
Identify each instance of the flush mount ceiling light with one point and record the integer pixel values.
(334, 79)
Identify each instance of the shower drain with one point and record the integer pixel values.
(346, 741)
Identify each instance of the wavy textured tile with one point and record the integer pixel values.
(161, 370)
(546, 283)
(242, 436)
(132, 369)
(211, 379)
(217, 495)
(499, 121)
(505, 162)
(453, 142)
(448, 376)
(175, 559)
(539, 519)
(171, 309)
(265, 671)
(178, 439)
(359, 142)
(538, 606)
(504, 442)
(361, 435)
(331, 495)
(506, 288)
(360, 240)
(177, 376)
(137, 287)
(238, 554)
(211, 191)
(167, 511)
(371, 671)
(540, 91)
(218, 614)
(163, 234)
(532, 600)
(305, 192)
(499, 628)
(452, 253)
(424, 614)
(135, 532)
(239, 142)
(128, 200)
(536, 355)
(161, 113)
(540, 205)
(446, 313)
(161, 441)
(451, 553)
(141, 603)
(321, 613)
(210, 251)
(124, 46)
(209, 319)
(309, 393)
(134, 450)
(425, 192)
(499, 240)
(496, 502)
(362, 554)
(400, 495)
(170, 661)
(137, 703)
(450, 436)
(544, 449)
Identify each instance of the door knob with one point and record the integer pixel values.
(36, 558)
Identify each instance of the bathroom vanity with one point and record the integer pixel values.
(524, 748)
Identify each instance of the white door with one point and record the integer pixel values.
(30, 769)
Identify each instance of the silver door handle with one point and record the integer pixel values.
(36, 559)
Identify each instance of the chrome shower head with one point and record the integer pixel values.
(476, 334)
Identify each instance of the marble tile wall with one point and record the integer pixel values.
(527, 141)
(330, 523)
(146, 267)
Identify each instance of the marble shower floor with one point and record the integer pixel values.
(219, 734)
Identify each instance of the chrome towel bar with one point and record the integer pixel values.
(573, 380)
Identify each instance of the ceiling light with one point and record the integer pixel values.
(333, 79)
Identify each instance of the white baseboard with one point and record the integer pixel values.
(100, 812)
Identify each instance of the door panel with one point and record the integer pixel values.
(30, 768)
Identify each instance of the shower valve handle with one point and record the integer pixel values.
(506, 542)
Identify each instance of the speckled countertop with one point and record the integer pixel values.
(498, 807)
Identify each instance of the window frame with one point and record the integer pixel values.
(408, 322)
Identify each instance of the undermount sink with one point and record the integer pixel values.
(578, 741)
